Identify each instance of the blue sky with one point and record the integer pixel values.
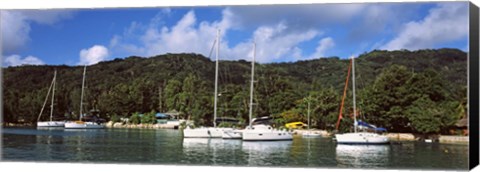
(283, 33)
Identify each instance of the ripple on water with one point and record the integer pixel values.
(150, 146)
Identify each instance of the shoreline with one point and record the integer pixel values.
(455, 139)
(451, 139)
(111, 124)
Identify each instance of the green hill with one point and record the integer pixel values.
(393, 86)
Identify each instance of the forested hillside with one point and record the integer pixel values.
(406, 91)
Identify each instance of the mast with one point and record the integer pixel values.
(216, 81)
(53, 95)
(251, 87)
(81, 97)
(354, 105)
(344, 95)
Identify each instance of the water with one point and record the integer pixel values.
(158, 146)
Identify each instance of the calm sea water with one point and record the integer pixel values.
(167, 147)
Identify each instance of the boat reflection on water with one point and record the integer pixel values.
(50, 128)
(215, 151)
(260, 152)
(48, 147)
(197, 143)
(77, 130)
(369, 156)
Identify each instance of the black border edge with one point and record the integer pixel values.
(473, 88)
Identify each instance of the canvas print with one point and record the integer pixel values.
(352, 85)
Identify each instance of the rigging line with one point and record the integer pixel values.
(211, 50)
(46, 98)
(53, 94)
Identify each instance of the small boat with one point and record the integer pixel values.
(50, 123)
(84, 122)
(209, 132)
(262, 132)
(309, 133)
(295, 125)
(260, 129)
(359, 137)
(202, 132)
(84, 125)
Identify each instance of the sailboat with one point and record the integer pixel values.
(258, 128)
(358, 137)
(50, 123)
(309, 133)
(84, 124)
(208, 132)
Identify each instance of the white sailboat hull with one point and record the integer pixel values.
(203, 132)
(232, 134)
(361, 138)
(83, 125)
(51, 124)
(265, 133)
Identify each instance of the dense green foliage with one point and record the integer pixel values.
(421, 91)
(135, 118)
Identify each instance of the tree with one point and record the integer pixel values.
(386, 101)
(325, 105)
(172, 91)
(135, 118)
(292, 115)
(148, 118)
(388, 83)
(426, 116)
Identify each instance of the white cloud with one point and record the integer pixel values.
(17, 60)
(15, 25)
(191, 36)
(273, 43)
(14, 31)
(323, 45)
(187, 35)
(278, 30)
(444, 23)
(93, 55)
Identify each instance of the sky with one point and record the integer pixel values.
(282, 33)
